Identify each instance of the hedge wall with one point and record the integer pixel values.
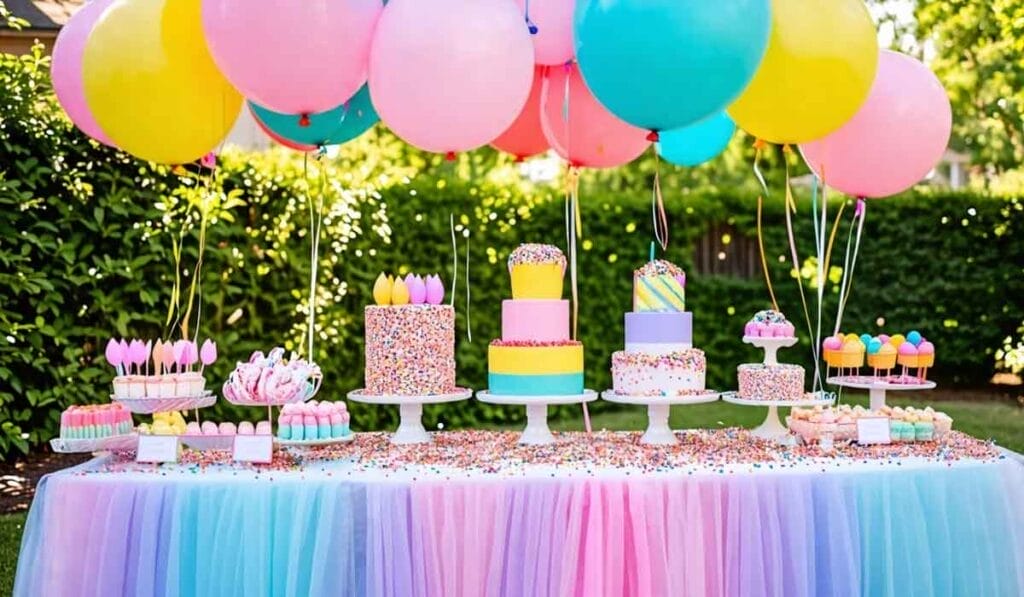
(87, 235)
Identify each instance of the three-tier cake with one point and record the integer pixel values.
(535, 355)
(659, 359)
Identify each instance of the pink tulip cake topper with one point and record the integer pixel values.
(417, 289)
(208, 353)
(114, 355)
(435, 290)
(413, 289)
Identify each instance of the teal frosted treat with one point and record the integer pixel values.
(298, 429)
(907, 432)
(924, 431)
(323, 428)
(284, 427)
(311, 430)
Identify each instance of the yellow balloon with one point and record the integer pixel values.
(817, 71)
(151, 83)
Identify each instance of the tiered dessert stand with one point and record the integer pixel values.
(772, 427)
(878, 386)
(537, 432)
(410, 411)
(658, 409)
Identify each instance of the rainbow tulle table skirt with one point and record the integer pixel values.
(897, 527)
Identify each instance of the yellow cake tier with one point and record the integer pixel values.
(533, 360)
(537, 281)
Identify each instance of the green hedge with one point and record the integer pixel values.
(87, 235)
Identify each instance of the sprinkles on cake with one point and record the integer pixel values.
(534, 253)
(659, 267)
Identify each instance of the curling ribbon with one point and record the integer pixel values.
(764, 259)
(469, 298)
(658, 206)
(455, 258)
(819, 247)
(859, 216)
(316, 218)
(790, 210)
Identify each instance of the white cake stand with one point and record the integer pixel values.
(658, 407)
(537, 432)
(772, 427)
(770, 346)
(878, 387)
(410, 409)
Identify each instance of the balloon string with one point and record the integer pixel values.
(759, 146)
(469, 298)
(658, 206)
(859, 215)
(574, 225)
(316, 215)
(530, 25)
(846, 272)
(764, 258)
(819, 246)
(790, 210)
(455, 258)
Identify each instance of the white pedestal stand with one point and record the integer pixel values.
(772, 427)
(410, 408)
(658, 407)
(878, 387)
(536, 432)
(770, 346)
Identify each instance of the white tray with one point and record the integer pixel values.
(106, 444)
(147, 406)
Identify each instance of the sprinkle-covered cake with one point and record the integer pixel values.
(535, 355)
(659, 359)
(410, 338)
(770, 381)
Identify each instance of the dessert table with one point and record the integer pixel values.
(474, 513)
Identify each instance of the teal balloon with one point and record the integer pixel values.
(666, 64)
(333, 127)
(695, 144)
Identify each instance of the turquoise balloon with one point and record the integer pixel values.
(665, 64)
(344, 123)
(697, 143)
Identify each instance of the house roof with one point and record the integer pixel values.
(43, 15)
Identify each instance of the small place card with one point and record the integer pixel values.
(254, 448)
(873, 430)
(157, 448)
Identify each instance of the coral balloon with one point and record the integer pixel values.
(819, 66)
(894, 140)
(278, 138)
(665, 64)
(292, 57)
(66, 68)
(697, 143)
(450, 75)
(526, 137)
(152, 85)
(552, 19)
(592, 136)
(333, 127)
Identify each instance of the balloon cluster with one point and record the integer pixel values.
(595, 80)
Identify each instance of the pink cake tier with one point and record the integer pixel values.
(410, 350)
(673, 374)
(771, 382)
(535, 320)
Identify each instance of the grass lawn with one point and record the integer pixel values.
(10, 540)
(1001, 421)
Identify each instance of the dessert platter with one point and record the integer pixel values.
(410, 352)
(770, 383)
(910, 355)
(160, 377)
(535, 363)
(659, 366)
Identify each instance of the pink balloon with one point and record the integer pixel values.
(292, 57)
(553, 18)
(66, 68)
(450, 75)
(526, 137)
(894, 140)
(592, 137)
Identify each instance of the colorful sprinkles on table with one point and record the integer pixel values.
(490, 452)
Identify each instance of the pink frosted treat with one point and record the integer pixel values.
(769, 324)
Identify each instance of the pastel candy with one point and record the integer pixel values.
(382, 290)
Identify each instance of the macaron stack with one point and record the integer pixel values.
(95, 421)
(313, 421)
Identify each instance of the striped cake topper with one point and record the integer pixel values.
(659, 286)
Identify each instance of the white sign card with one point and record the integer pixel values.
(157, 448)
(873, 430)
(254, 448)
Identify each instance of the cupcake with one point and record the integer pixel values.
(907, 356)
(536, 271)
(884, 359)
(925, 358)
(853, 354)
